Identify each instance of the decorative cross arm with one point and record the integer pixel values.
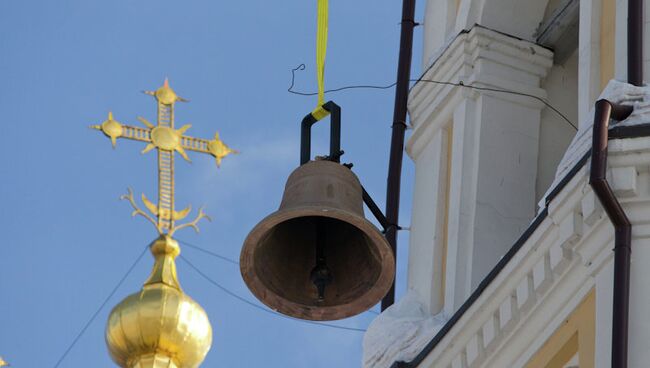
(167, 141)
(164, 138)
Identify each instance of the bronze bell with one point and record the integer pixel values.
(317, 257)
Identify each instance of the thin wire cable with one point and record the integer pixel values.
(94, 316)
(269, 311)
(208, 252)
(230, 260)
(459, 84)
(302, 67)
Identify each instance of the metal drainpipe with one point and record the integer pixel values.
(397, 139)
(605, 111)
(635, 42)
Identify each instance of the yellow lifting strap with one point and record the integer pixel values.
(321, 51)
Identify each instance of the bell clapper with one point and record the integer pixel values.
(320, 274)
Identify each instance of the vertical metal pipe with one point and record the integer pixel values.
(621, 304)
(598, 180)
(399, 128)
(635, 42)
(606, 110)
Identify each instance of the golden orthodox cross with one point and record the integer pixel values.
(167, 141)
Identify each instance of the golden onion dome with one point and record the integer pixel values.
(160, 326)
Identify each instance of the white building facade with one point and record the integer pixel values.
(510, 254)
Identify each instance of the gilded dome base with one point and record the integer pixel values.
(154, 361)
(160, 326)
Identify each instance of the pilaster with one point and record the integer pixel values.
(439, 23)
(475, 153)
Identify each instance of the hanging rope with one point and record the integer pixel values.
(321, 52)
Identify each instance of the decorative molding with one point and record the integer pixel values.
(478, 57)
(551, 272)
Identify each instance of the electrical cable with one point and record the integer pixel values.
(229, 260)
(135, 263)
(208, 252)
(94, 316)
(302, 67)
(459, 84)
(246, 301)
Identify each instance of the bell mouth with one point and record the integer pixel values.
(280, 254)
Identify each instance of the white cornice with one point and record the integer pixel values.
(482, 58)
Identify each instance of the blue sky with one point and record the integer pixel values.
(67, 239)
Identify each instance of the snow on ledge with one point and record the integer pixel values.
(617, 92)
(400, 332)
